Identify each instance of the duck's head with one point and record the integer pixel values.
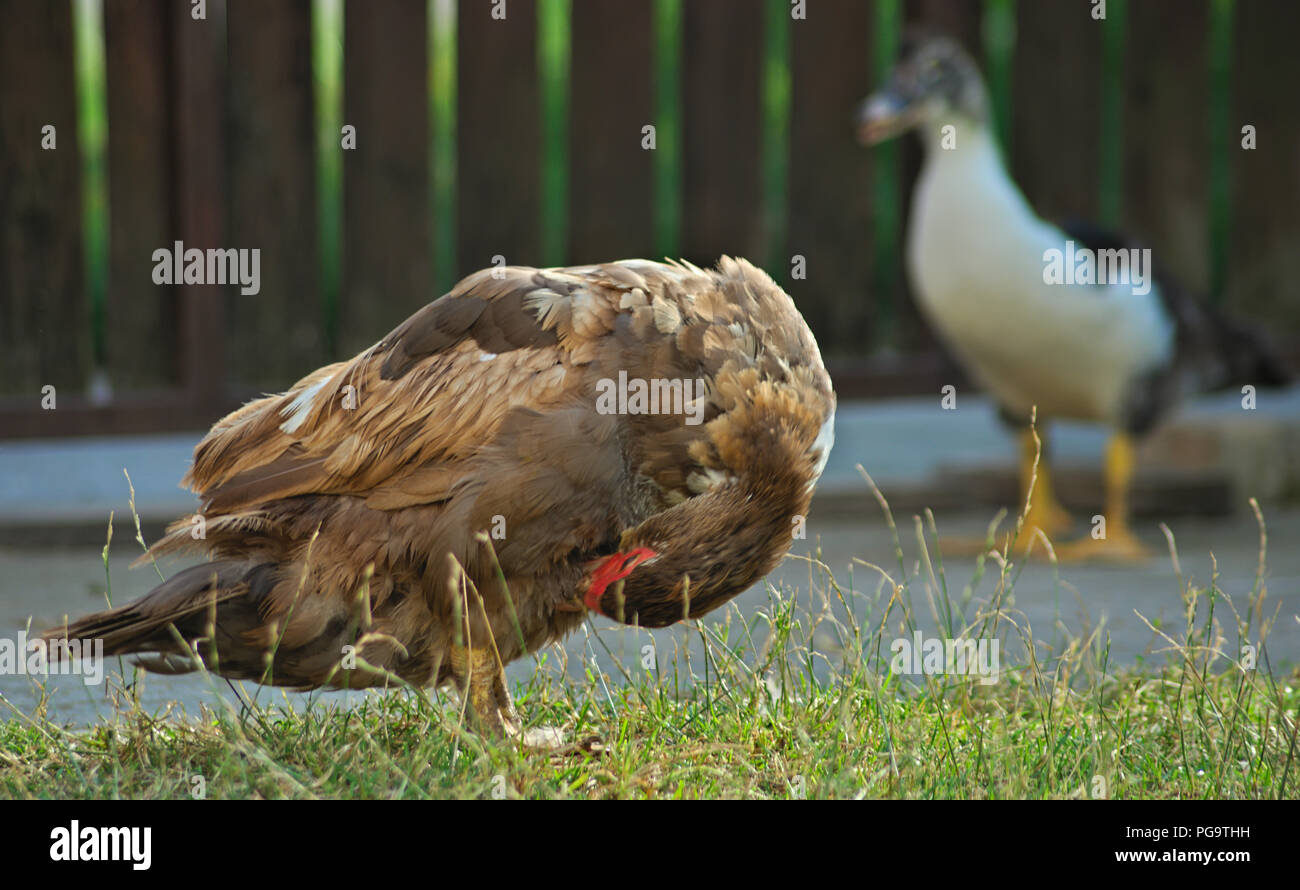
(934, 81)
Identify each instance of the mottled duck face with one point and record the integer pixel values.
(933, 78)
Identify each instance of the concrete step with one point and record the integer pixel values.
(1208, 459)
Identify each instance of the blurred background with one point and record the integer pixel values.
(524, 138)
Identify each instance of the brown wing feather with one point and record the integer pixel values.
(422, 393)
(434, 389)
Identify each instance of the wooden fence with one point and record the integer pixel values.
(214, 138)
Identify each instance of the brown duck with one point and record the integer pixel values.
(633, 438)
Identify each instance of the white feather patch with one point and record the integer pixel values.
(300, 408)
(667, 318)
(547, 304)
(822, 446)
(705, 480)
(633, 298)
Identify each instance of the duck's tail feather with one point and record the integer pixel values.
(189, 601)
(1245, 355)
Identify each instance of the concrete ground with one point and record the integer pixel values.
(1207, 458)
(44, 584)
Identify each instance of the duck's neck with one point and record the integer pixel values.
(967, 135)
(964, 188)
(770, 447)
(959, 146)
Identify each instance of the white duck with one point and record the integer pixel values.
(1073, 323)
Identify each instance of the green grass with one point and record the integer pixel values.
(792, 699)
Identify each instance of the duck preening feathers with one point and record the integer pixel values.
(465, 490)
(999, 285)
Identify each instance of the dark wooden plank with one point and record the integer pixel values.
(199, 146)
(142, 411)
(1166, 151)
(276, 335)
(1265, 228)
(44, 318)
(888, 375)
(1055, 119)
(960, 19)
(830, 175)
(611, 181)
(387, 252)
(497, 135)
(722, 50)
(140, 318)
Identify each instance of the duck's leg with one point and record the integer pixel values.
(481, 678)
(1113, 541)
(1045, 511)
